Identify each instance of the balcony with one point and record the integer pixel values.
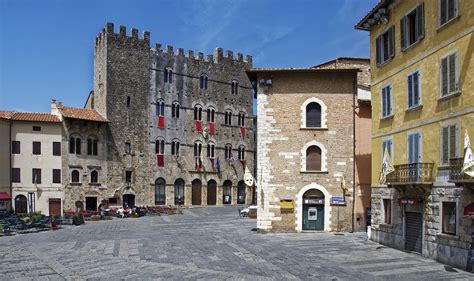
(456, 174)
(414, 173)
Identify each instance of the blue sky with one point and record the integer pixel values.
(46, 47)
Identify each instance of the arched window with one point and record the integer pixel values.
(313, 158)
(160, 146)
(175, 110)
(92, 145)
(228, 151)
(75, 176)
(179, 192)
(241, 192)
(197, 112)
(197, 149)
(241, 153)
(175, 147)
(241, 119)
(21, 204)
(160, 108)
(74, 145)
(227, 192)
(168, 75)
(313, 115)
(210, 150)
(94, 177)
(203, 82)
(160, 192)
(228, 117)
(210, 114)
(235, 87)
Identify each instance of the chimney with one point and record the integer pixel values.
(54, 108)
(60, 105)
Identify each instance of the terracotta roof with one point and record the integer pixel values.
(83, 114)
(5, 114)
(35, 117)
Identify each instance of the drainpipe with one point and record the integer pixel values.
(354, 107)
(10, 159)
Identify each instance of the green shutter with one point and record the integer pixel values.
(402, 33)
(445, 145)
(420, 21)
(452, 141)
(444, 76)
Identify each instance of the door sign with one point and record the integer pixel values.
(312, 214)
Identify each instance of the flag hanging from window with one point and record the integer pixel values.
(161, 121)
(242, 130)
(160, 160)
(387, 167)
(198, 163)
(212, 128)
(468, 163)
(218, 165)
(198, 125)
(212, 162)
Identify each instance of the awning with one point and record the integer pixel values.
(4, 196)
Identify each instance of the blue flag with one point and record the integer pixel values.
(218, 165)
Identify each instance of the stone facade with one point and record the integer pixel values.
(283, 140)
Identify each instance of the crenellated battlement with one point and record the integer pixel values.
(108, 34)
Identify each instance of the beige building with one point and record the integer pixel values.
(5, 190)
(305, 151)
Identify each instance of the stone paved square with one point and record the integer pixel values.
(206, 243)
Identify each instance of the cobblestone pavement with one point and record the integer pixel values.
(206, 243)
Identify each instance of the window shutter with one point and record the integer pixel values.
(410, 149)
(452, 72)
(420, 21)
(416, 89)
(444, 76)
(389, 100)
(377, 50)
(384, 101)
(390, 147)
(451, 9)
(410, 91)
(402, 33)
(452, 141)
(417, 141)
(444, 145)
(391, 42)
(442, 11)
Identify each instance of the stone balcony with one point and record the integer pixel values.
(412, 174)
(456, 175)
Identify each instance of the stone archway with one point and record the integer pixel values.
(299, 206)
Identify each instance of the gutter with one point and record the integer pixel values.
(10, 159)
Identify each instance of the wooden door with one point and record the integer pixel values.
(196, 189)
(211, 192)
(55, 207)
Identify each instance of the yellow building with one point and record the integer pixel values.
(422, 104)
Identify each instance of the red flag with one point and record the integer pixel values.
(242, 162)
(198, 125)
(212, 128)
(242, 130)
(198, 163)
(160, 160)
(212, 162)
(161, 121)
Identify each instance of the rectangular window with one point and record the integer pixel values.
(36, 147)
(412, 27)
(414, 89)
(15, 147)
(384, 46)
(449, 218)
(449, 143)
(175, 148)
(128, 101)
(388, 143)
(449, 74)
(37, 128)
(56, 148)
(414, 148)
(56, 176)
(36, 176)
(16, 175)
(210, 150)
(160, 109)
(448, 10)
(128, 176)
(128, 148)
(386, 101)
(387, 211)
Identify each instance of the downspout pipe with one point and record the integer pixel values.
(354, 107)
(10, 159)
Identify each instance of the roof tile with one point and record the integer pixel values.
(82, 114)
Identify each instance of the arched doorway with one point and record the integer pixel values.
(241, 192)
(227, 194)
(211, 192)
(196, 186)
(179, 192)
(160, 192)
(21, 204)
(313, 210)
(129, 200)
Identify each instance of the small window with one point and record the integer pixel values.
(448, 10)
(384, 46)
(211, 114)
(175, 147)
(37, 128)
(412, 27)
(449, 143)
(78, 146)
(160, 108)
(175, 110)
(128, 176)
(56, 148)
(241, 119)
(15, 147)
(128, 101)
(449, 218)
(313, 115)
(228, 117)
(128, 148)
(203, 82)
(197, 149)
(228, 152)
(241, 153)
(449, 74)
(211, 150)
(94, 177)
(56, 176)
(75, 176)
(414, 89)
(91, 146)
(168, 75)
(37, 148)
(313, 158)
(387, 211)
(160, 147)
(36, 176)
(16, 175)
(197, 113)
(235, 87)
(386, 101)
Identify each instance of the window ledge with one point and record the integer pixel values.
(314, 128)
(442, 27)
(388, 117)
(385, 225)
(414, 108)
(314, 172)
(385, 62)
(412, 45)
(452, 95)
(447, 236)
(94, 183)
(75, 183)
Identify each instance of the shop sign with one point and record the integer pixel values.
(338, 200)
(287, 206)
(408, 201)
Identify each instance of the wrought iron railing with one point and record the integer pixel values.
(411, 173)
(455, 171)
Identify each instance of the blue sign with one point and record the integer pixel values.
(338, 200)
